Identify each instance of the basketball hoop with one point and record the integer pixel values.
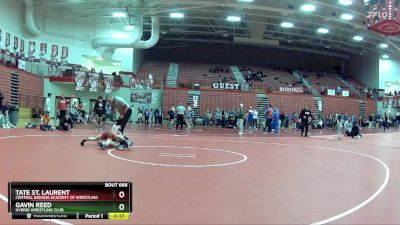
(382, 16)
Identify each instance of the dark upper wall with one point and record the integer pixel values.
(365, 68)
(245, 55)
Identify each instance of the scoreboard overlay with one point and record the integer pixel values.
(70, 200)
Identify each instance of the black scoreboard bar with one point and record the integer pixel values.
(70, 200)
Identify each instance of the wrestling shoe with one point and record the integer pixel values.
(130, 143)
(83, 142)
(100, 144)
(122, 148)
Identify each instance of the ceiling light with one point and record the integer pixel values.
(308, 7)
(120, 35)
(383, 45)
(246, 0)
(358, 38)
(129, 27)
(176, 15)
(287, 25)
(346, 16)
(115, 64)
(345, 2)
(323, 30)
(233, 18)
(385, 56)
(119, 14)
(99, 58)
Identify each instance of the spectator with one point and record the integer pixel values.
(62, 109)
(269, 115)
(348, 125)
(339, 123)
(189, 117)
(305, 115)
(1, 101)
(45, 124)
(255, 119)
(140, 117)
(146, 116)
(100, 110)
(180, 113)
(108, 112)
(7, 122)
(36, 113)
(240, 117)
(67, 124)
(218, 117)
(47, 103)
(2, 125)
(385, 122)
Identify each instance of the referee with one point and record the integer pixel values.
(305, 115)
(123, 109)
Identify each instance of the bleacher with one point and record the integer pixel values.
(328, 81)
(272, 79)
(198, 73)
(157, 68)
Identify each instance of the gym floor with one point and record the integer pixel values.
(213, 176)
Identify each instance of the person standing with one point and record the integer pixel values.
(47, 103)
(180, 112)
(339, 124)
(62, 108)
(123, 109)
(385, 122)
(250, 117)
(255, 119)
(269, 115)
(240, 116)
(305, 115)
(276, 123)
(100, 110)
(189, 117)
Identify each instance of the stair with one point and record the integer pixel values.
(14, 89)
(361, 107)
(262, 102)
(196, 109)
(347, 84)
(307, 83)
(239, 78)
(319, 105)
(172, 77)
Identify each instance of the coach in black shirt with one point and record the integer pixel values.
(305, 114)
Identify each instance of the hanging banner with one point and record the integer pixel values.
(331, 92)
(291, 89)
(8, 36)
(64, 52)
(15, 43)
(320, 104)
(54, 52)
(93, 82)
(141, 96)
(43, 49)
(226, 86)
(31, 51)
(22, 47)
(195, 101)
(345, 93)
(108, 83)
(79, 80)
